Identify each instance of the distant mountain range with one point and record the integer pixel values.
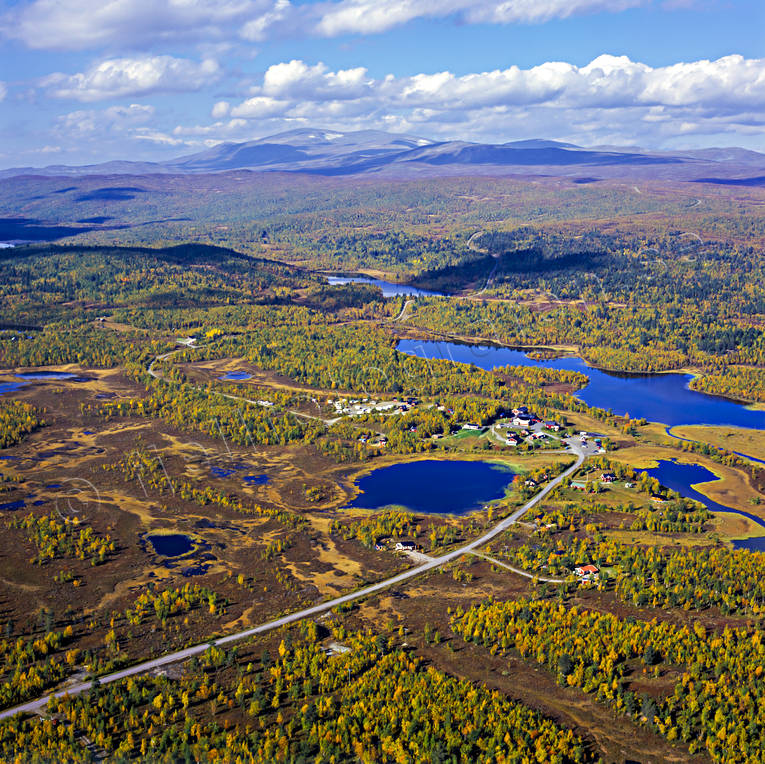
(331, 153)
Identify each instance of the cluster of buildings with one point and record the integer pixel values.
(360, 406)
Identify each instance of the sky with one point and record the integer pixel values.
(85, 81)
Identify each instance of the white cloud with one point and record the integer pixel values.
(220, 109)
(297, 80)
(89, 24)
(330, 19)
(120, 77)
(610, 99)
(606, 82)
(115, 118)
(3, 91)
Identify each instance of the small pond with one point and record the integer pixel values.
(434, 486)
(9, 387)
(170, 544)
(34, 375)
(235, 376)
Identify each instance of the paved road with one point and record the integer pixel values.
(34, 706)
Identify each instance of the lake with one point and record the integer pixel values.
(9, 387)
(36, 375)
(235, 376)
(388, 288)
(682, 478)
(33, 376)
(434, 486)
(662, 398)
(170, 544)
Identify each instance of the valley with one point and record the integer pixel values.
(284, 446)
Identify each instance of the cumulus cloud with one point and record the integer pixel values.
(115, 118)
(611, 96)
(611, 100)
(606, 82)
(88, 24)
(330, 19)
(120, 77)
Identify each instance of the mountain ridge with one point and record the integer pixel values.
(334, 153)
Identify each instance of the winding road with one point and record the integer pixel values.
(37, 705)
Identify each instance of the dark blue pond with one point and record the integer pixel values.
(388, 289)
(235, 376)
(9, 387)
(33, 375)
(657, 397)
(171, 544)
(255, 479)
(682, 478)
(13, 505)
(441, 487)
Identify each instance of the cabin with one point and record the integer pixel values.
(586, 571)
(406, 546)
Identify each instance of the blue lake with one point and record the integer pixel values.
(235, 376)
(33, 375)
(662, 398)
(433, 486)
(170, 544)
(388, 289)
(682, 478)
(9, 387)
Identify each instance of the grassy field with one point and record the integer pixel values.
(750, 442)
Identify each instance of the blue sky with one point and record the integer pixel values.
(92, 80)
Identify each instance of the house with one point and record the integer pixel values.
(579, 485)
(586, 571)
(629, 485)
(554, 426)
(522, 420)
(608, 477)
(531, 483)
(471, 426)
(512, 441)
(406, 546)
